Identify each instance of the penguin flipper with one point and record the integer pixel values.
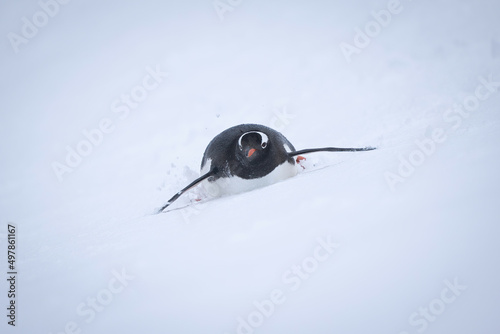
(191, 185)
(330, 149)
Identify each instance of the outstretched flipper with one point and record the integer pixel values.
(290, 154)
(330, 149)
(191, 185)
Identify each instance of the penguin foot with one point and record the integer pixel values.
(299, 161)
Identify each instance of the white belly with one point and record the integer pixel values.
(235, 184)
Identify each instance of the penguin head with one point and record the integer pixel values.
(252, 147)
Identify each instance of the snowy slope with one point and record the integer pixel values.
(337, 250)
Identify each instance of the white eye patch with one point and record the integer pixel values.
(264, 137)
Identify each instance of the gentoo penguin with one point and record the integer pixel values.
(249, 156)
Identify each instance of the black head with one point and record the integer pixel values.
(248, 151)
(252, 147)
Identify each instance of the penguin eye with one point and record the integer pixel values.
(264, 144)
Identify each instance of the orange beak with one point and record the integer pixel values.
(251, 152)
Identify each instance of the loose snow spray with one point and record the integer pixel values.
(428, 146)
(293, 279)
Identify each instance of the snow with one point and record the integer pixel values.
(92, 256)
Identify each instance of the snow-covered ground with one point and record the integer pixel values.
(403, 239)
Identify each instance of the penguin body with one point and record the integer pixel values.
(249, 156)
(246, 157)
(235, 184)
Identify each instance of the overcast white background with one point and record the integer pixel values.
(197, 270)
